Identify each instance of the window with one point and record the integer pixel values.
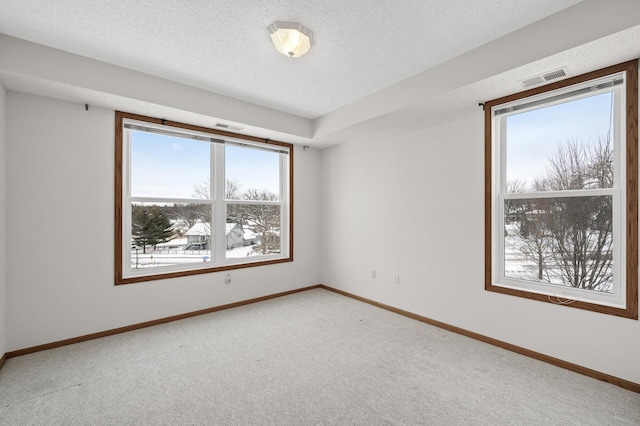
(191, 200)
(561, 192)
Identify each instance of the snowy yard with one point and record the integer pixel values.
(519, 266)
(165, 257)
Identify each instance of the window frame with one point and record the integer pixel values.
(629, 186)
(219, 207)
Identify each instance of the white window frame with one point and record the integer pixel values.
(125, 273)
(623, 300)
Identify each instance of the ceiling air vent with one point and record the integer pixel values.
(224, 126)
(545, 78)
(562, 72)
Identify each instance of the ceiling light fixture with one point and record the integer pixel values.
(291, 38)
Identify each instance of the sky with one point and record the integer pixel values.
(533, 136)
(253, 168)
(168, 166)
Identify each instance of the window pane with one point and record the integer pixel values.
(252, 230)
(175, 234)
(561, 147)
(167, 166)
(563, 241)
(252, 174)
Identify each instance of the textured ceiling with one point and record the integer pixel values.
(361, 46)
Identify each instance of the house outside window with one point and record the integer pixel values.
(191, 200)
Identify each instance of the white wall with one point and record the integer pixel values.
(60, 180)
(412, 204)
(3, 191)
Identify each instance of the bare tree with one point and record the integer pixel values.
(513, 208)
(263, 219)
(524, 217)
(575, 232)
(202, 190)
(536, 242)
(579, 166)
(190, 214)
(232, 190)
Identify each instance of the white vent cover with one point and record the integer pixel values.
(225, 126)
(545, 77)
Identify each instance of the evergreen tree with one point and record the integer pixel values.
(150, 226)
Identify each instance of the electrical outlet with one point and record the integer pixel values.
(373, 274)
(227, 279)
(396, 279)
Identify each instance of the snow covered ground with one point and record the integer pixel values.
(178, 256)
(519, 266)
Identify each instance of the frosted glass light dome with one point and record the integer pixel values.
(291, 38)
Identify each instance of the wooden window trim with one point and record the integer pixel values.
(631, 309)
(119, 278)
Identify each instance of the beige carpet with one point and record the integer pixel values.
(311, 358)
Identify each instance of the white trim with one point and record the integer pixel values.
(254, 202)
(219, 210)
(559, 194)
(169, 200)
